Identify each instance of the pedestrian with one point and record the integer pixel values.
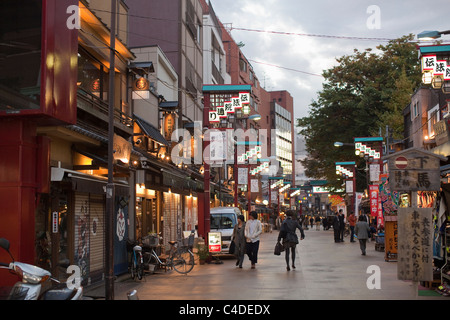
(325, 223)
(341, 225)
(352, 223)
(253, 229)
(311, 221)
(336, 227)
(317, 221)
(290, 238)
(239, 240)
(362, 230)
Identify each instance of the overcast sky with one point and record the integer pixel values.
(386, 19)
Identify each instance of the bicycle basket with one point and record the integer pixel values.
(150, 241)
(189, 241)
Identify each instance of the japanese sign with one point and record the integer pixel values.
(414, 169)
(218, 147)
(415, 244)
(215, 242)
(242, 175)
(374, 200)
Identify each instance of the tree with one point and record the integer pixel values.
(364, 92)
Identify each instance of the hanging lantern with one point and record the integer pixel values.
(437, 82)
(446, 87)
(427, 77)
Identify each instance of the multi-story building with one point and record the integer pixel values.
(37, 87)
(69, 219)
(176, 27)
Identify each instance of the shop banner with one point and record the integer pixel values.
(374, 200)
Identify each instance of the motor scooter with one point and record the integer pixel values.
(32, 279)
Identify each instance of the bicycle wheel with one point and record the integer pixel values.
(183, 261)
(140, 267)
(153, 263)
(133, 269)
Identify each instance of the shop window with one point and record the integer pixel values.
(20, 63)
(92, 76)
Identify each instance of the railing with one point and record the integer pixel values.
(100, 108)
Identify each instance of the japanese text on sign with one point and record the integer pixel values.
(415, 247)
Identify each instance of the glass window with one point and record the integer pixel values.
(20, 52)
(92, 76)
(222, 221)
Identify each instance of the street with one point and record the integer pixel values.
(325, 271)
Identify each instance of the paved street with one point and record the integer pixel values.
(325, 271)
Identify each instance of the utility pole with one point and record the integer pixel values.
(110, 188)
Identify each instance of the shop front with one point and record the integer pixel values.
(77, 223)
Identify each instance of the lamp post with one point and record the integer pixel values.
(431, 35)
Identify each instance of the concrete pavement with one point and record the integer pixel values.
(325, 271)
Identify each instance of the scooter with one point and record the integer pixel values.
(32, 279)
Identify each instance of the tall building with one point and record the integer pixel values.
(176, 27)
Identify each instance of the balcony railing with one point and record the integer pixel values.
(99, 108)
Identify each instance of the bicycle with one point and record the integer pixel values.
(180, 257)
(136, 266)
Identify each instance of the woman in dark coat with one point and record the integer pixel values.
(239, 240)
(290, 239)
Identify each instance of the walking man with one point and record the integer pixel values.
(253, 229)
(352, 223)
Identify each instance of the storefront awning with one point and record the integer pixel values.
(150, 130)
(88, 183)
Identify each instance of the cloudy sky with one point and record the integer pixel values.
(344, 22)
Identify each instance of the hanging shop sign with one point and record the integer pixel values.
(374, 199)
(442, 133)
(122, 149)
(229, 107)
(432, 67)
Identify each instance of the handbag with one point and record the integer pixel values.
(232, 247)
(278, 249)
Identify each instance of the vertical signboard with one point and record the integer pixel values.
(415, 243)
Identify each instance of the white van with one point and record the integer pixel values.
(223, 219)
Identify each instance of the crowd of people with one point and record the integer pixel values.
(246, 235)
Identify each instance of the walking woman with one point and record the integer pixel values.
(239, 240)
(362, 231)
(290, 239)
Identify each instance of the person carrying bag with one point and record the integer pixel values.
(290, 238)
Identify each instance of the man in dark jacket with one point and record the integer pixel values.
(290, 239)
(336, 227)
(341, 225)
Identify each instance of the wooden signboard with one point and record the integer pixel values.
(415, 244)
(414, 169)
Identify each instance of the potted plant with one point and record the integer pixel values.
(202, 252)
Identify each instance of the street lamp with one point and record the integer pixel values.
(341, 144)
(431, 35)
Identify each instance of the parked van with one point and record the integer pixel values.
(223, 219)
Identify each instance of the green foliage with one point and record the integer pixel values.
(366, 91)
